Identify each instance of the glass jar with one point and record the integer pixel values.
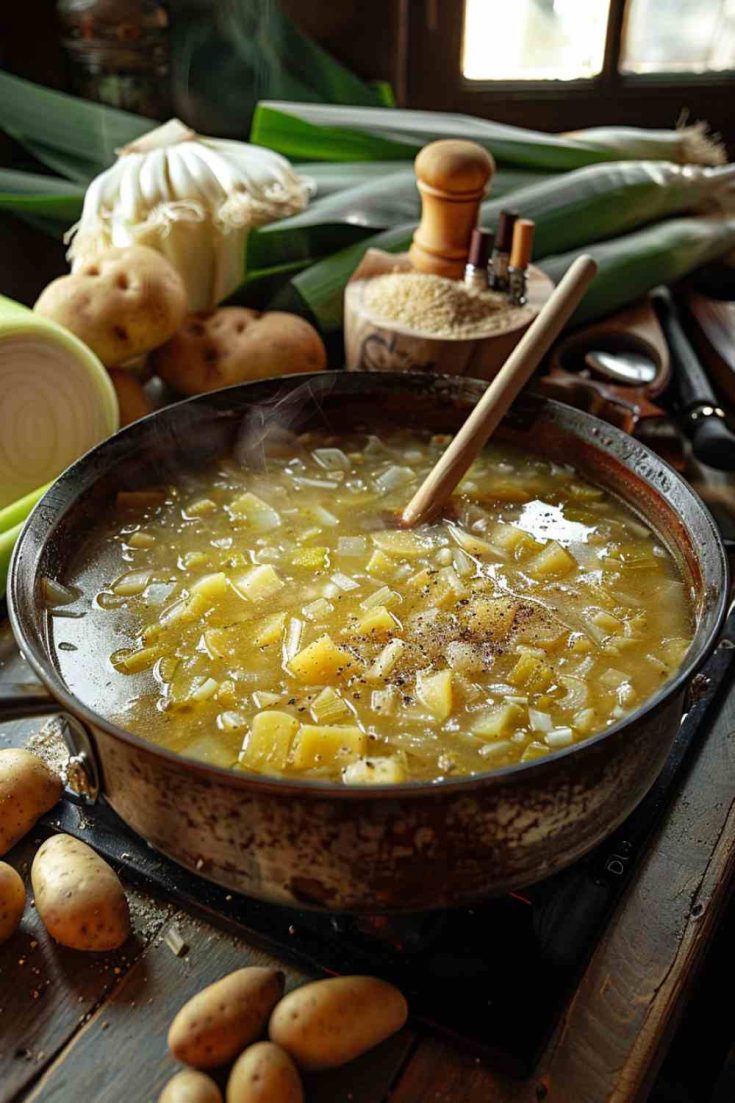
(119, 52)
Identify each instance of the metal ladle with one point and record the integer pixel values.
(633, 368)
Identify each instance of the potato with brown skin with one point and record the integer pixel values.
(234, 345)
(124, 303)
(264, 1073)
(217, 1023)
(329, 1022)
(79, 898)
(190, 1086)
(12, 900)
(132, 400)
(28, 788)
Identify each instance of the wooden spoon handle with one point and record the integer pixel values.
(438, 485)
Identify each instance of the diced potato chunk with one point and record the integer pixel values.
(323, 661)
(408, 545)
(327, 745)
(269, 742)
(259, 583)
(255, 511)
(269, 630)
(201, 507)
(553, 562)
(211, 587)
(508, 537)
(263, 699)
(141, 540)
(435, 692)
(500, 721)
(492, 617)
(375, 622)
(388, 770)
(531, 673)
(216, 641)
(132, 662)
(381, 565)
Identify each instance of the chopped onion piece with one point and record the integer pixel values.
(344, 582)
(386, 660)
(55, 593)
(317, 610)
(262, 699)
(540, 721)
(495, 750)
(393, 477)
(352, 545)
(292, 640)
(463, 565)
(231, 721)
(203, 689)
(332, 459)
(559, 737)
(328, 706)
(577, 693)
(384, 701)
(384, 596)
(317, 484)
(319, 513)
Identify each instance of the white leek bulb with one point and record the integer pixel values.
(193, 199)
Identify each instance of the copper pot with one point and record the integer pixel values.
(316, 844)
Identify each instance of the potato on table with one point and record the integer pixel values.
(79, 898)
(217, 1023)
(124, 303)
(12, 900)
(190, 1086)
(28, 788)
(264, 1073)
(134, 403)
(329, 1022)
(234, 345)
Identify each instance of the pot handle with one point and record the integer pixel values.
(20, 700)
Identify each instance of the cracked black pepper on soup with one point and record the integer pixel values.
(278, 621)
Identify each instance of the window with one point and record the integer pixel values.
(535, 40)
(679, 36)
(565, 64)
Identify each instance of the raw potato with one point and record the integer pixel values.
(124, 303)
(217, 1023)
(329, 1022)
(235, 344)
(28, 788)
(79, 898)
(189, 1086)
(131, 398)
(12, 900)
(264, 1073)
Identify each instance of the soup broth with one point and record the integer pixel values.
(280, 622)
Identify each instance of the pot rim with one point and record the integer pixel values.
(39, 659)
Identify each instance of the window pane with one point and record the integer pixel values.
(533, 39)
(679, 36)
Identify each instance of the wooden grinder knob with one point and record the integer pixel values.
(453, 177)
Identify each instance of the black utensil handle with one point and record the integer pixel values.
(693, 386)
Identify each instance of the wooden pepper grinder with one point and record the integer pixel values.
(453, 177)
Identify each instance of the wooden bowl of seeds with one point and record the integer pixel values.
(396, 319)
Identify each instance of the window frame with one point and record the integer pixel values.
(433, 80)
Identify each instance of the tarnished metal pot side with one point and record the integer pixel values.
(413, 847)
